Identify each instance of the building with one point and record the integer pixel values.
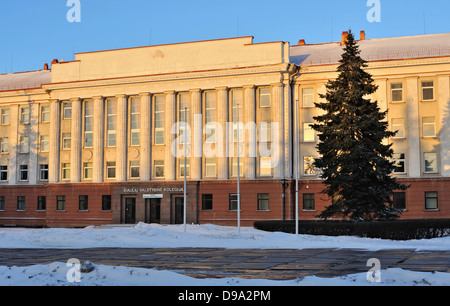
(101, 139)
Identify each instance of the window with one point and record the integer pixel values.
(428, 127)
(308, 165)
(430, 162)
(5, 116)
(67, 110)
(308, 133)
(159, 168)
(20, 203)
(111, 122)
(134, 169)
(88, 170)
(88, 124)
(399, 162)
(66, 171)
(66, 141)
(234, 168)
(43, 172)
(210, 167)
(265, 132)
(427, 90)
(308, 97)
(398, 125)
(399, 199)
(265, 166)
(159, 120)
(396, 92)
(60, 202)
(45, 143)
(264, 97)
(83, 202)
(23, 173)
(4, 145)
(24, 144)
(232, 201)
(308, 201)
(3, 173)
(135, 121)
(110, 170)
(431, 200)
(2, 202)
(41, 203)
(181, 167)
(25, 115)
(207, 201)
(210, 117)
(106, 202)
(45, 114)
(263, 201)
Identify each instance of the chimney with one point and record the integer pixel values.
(362, 35)
(55, 61)
(344, 38)
(301, 42)
(46, 66)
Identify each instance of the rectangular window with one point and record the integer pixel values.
(106, 202)
(308, 133)
(44, 143)
(43, 172)
(234, 168)
(60, 202)
(263, 201)
(135, 121)
(399, 160)
(134, 169)
(111, 122)
(210, 117)
(159, 119)
(45, 113)
(308, 97)
(159, 168)
(430, 162)
(41, 203)
(2, 203)
(232, 201)
(431, 200)
(67, 110)
(427, 90)
(3, 173)
(428, 127)
(23, 173)
(396, 92)
(25, 115)
(83, 202)
(5, 116)
(399, 199)
(308, 201)
(207, 201)
(398, 125)
(265, 166)
(264, 97)
(88, 170)
(308, 165)
(210, 167)
(181, 167)
(4, 145)
(88, 124)
(20, 203)
(66, 141)
(24, 144)
(110, 170)
(66, 171)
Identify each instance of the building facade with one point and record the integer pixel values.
(101, 139)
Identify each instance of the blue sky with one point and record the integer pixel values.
(34, 32)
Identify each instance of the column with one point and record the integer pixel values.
(222, 119)
(99, 140)
(53, 156)
(33, 165)
(121, 139)
(13, 144)
(196, 134)
(414, 159)
(169, 137)
(250, 121)
(75, 149)
(278, 161)
(146, 147)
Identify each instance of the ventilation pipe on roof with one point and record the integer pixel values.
(344, 38)
(301, 42)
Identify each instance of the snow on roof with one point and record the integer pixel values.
(374, 49)
(24, 80)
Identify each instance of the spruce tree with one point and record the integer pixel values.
(356, 165)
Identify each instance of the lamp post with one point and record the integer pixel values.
(238, 177)
(185, 172)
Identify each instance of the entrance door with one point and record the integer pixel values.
(179, 210)
(130, 210)
(155, 211)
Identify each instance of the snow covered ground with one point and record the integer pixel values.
(168, 236)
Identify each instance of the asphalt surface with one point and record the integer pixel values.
(281, 264)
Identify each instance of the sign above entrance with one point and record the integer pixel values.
(153, 196)
(152, 189)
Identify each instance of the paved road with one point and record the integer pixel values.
(248, 263)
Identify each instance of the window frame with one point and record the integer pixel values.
(422, 88)
(207, 201)
(428, 196)
(434, 159)
(263, 198)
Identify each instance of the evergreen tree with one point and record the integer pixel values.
(355, 163)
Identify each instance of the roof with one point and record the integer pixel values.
(24, 80)
(374, 49)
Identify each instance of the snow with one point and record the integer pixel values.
(173, 236)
